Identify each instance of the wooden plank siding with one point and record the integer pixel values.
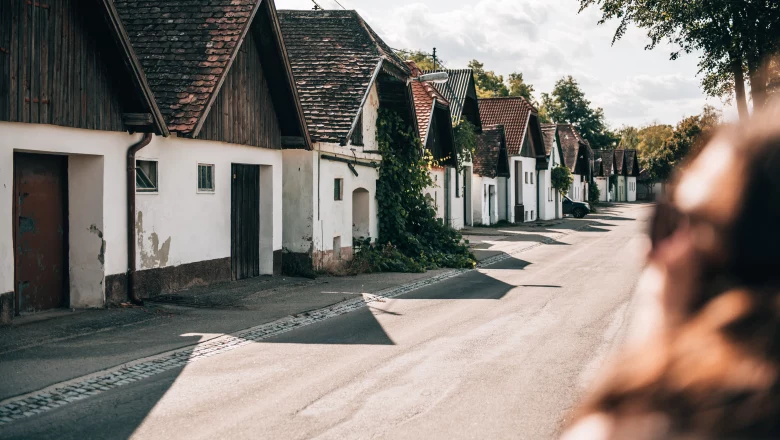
(243, 112)
(60, 65)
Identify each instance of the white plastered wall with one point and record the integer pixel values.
(631, 189)
(195, 226)
(334, 217)
(96, 182)
(576, 190)
(529, 190)
(180, 225)
(547, 194)
(480, 193)
(603, 185)
(621, 189)
(312, 216)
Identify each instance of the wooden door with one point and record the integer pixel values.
(40, 232)
(245, 221)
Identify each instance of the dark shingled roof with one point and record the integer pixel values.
(620, 161)
(185, 48)
(632, 163)
(549, 131)
(487, 155)
(607, 157)
(456, 89)
(334, 57)
(571, 141)
(513, 113)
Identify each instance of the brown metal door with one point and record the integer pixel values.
(245, 221)
(40, 231)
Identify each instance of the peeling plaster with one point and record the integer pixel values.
(102, 255)
(155, 256)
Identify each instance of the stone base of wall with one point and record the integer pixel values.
(6, 308)
(325, 260)
(278, 262)
(154, 282)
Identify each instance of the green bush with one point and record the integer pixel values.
(594, 193)
(561, 179)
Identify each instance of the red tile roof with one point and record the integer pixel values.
(513, 113)
(424, 95)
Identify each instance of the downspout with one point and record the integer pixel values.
(447, 196)
(538, 187)
(506, 192)
(131, 216)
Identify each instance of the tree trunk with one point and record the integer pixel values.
(758, 77)
(739, 84)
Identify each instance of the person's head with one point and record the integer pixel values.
(714, 369)
(719, 228)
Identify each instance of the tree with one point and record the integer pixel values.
(489, 84)
(733, 37)
(687, 138)
(518, 87)
(423, 60)
(652, 138)
(567, 104)
(629, 138)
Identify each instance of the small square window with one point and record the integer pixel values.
(146, 176)
(206, 178)
(338, 189)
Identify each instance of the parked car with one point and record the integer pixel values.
(577, 209)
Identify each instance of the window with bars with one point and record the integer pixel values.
(205, 178)
(146, 176)
(338, 189)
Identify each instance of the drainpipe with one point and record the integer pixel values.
(506, 192)
(131, 216)
(447, 196)
(538, 187)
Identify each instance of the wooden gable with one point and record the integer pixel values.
(243, 111)
(441, 142)
(64, 62)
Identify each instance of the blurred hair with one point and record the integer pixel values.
(717, 373)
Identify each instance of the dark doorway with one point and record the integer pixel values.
(245, 221)
(40, 232)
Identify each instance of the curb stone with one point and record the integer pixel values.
(60, 394)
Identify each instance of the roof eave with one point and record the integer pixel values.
(137, 70)
(343, 142)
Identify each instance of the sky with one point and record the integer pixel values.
(545, 40)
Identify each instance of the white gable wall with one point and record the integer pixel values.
(549, 201)
(314, 221)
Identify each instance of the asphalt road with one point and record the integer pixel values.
(502, 352)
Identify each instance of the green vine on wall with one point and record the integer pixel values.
(561, 179)
(411, 239)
